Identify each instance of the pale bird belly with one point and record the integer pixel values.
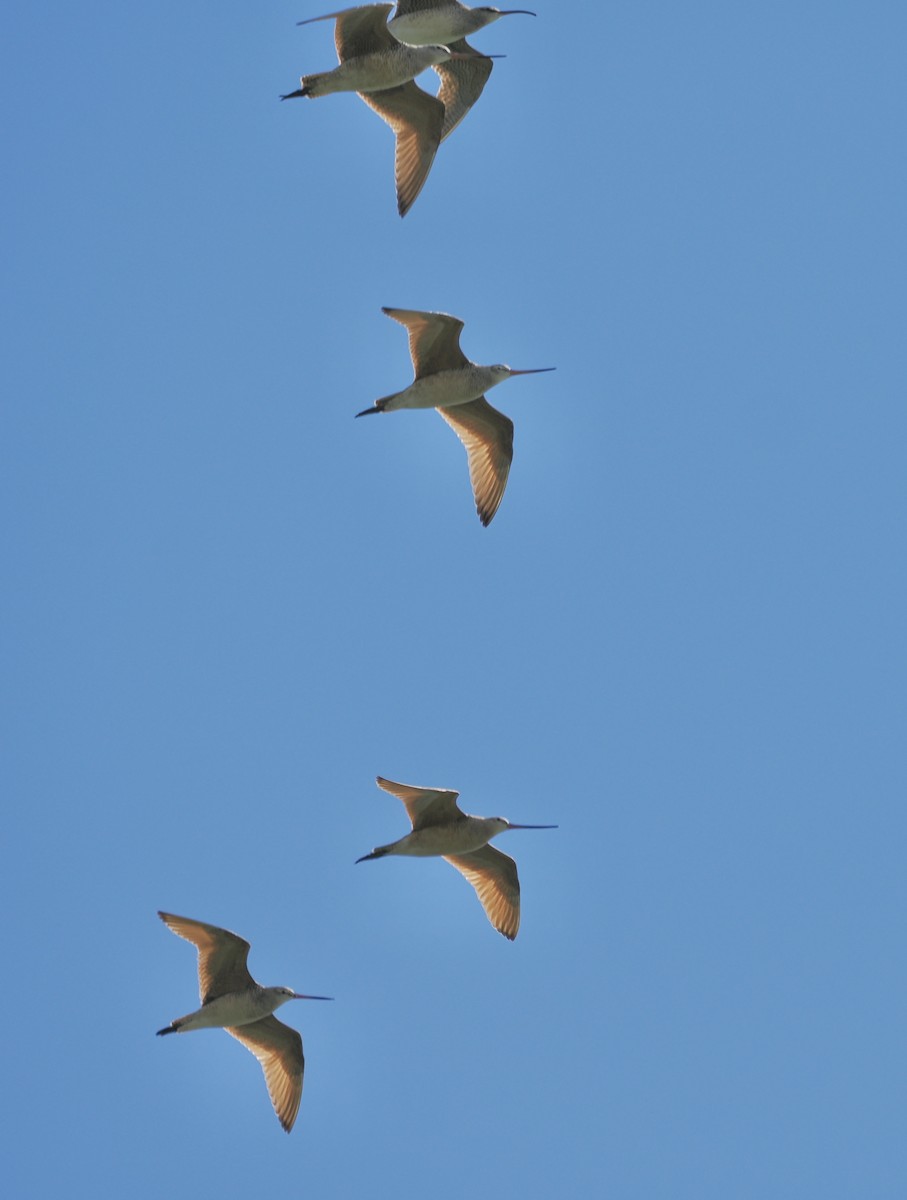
(424, 29)
(441, 390)
(443, 839)
(236, 1008)
(373, 73)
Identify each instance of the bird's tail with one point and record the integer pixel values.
(305, 90)
(380, 851)
(378, 406)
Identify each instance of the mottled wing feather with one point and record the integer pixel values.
(360, 30)
(425, 806)
(416, 119)
(488, 437)
(405, 7)
(462, 82)
(434, 340)
(497, 885)
(279, 1050)
(221, 956)
(363, 31)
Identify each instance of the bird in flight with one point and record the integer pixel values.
(232, 1000)
(382, 70)
(447, 380)
(441, 828)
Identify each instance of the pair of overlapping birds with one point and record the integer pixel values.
(379, 59)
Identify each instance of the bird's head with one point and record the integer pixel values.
(283, 994)
(503, 824)
(498, 824)
(442, 54)
(436, 54)
(491, 14)
(502, 371)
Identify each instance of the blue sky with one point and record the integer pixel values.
(229, 606)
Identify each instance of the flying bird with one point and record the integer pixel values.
(422, 22)
(381, 70)
(427, 22)
(440, 827)
(447, 380)
(232, 1000)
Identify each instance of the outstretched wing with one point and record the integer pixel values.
(416, 119)
(462, 83)
(425, 806)
(279, 1050)
(221, 956)
(360, 30)
(497, 885)
(488, 437)
(434, 340)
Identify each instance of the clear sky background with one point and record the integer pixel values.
(228, 606)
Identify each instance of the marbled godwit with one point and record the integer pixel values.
(445, 379)
(440, 827)
(427, 22)
(232, 1000)
(381, 70)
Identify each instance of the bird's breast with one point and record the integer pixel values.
(432, 27)
(456, 837)
(444, 388)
